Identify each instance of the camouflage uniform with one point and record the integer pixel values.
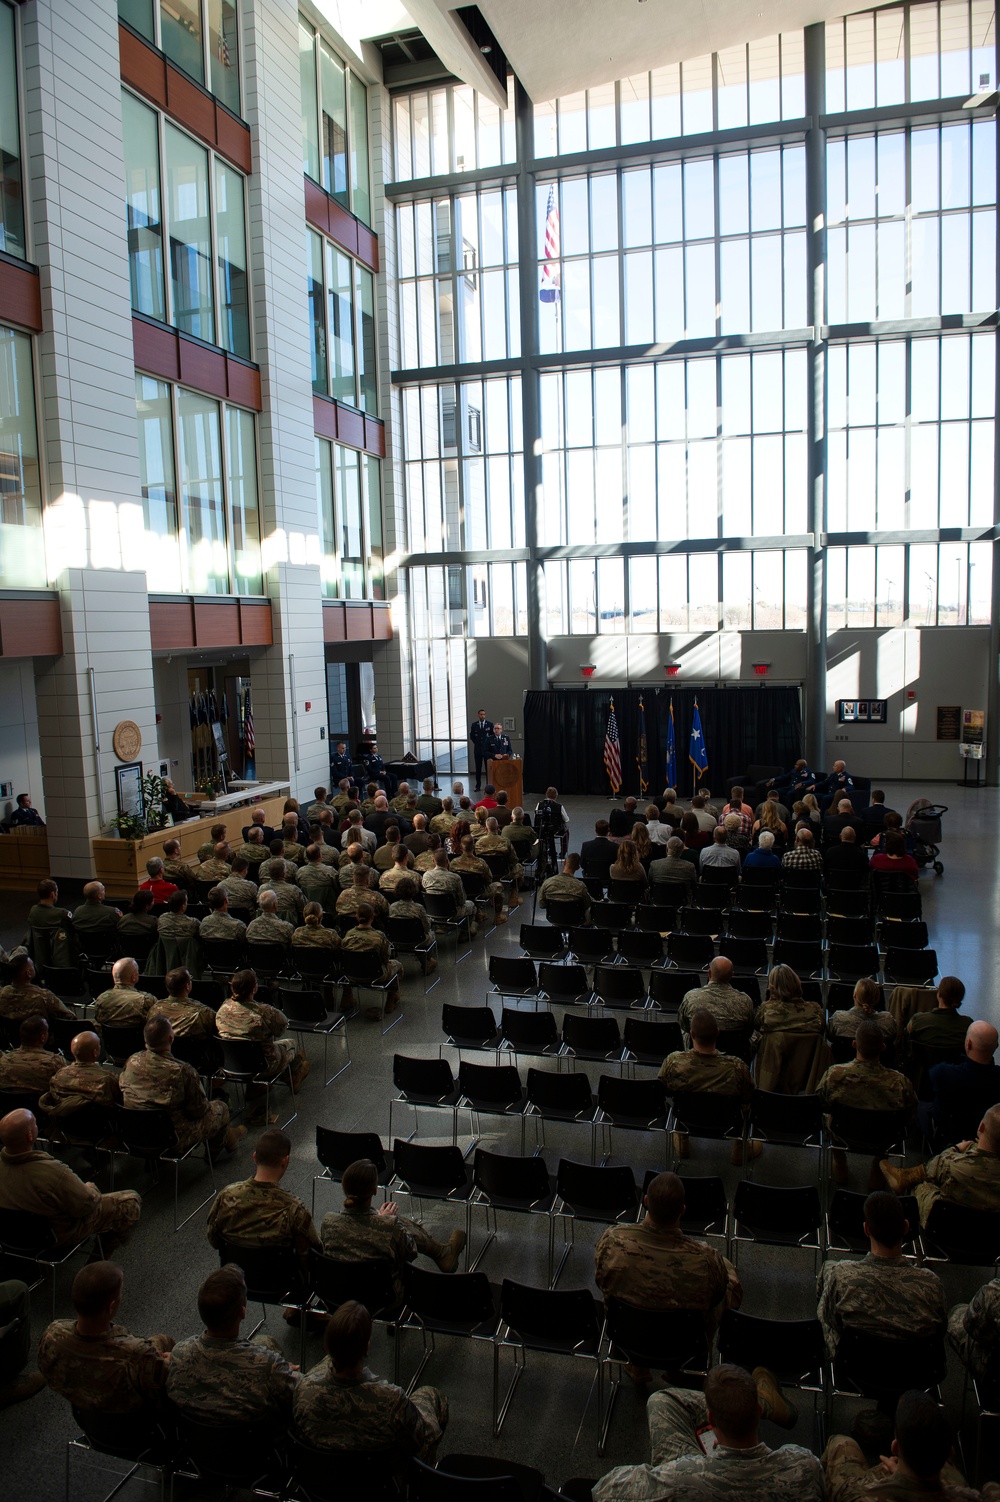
(521, 835)
(189, 1019)
(400, 803)
(383, 860)
(883, 1296)
(868, 1086)
(362, 1235)
(260, 1215)
(424, 862)
(29, 1068)
(441, 824)
(268, 929)
(664, 1269)
(213, 870)
(94, 917)
(177, 926)
(154, 1080)
(367, 940)
(496, 844)
(733, 1010)
(367, 1413)
(441, 883)
(261, 1024)
(241, 893)
(846, 1024)
(788, 1017)
(679, 1471)
(265, 868)
(180, 873)
(206, 851)
(80, 1085)
(316, 937)
(320, 884)
(970, 1178)
(406, 909)
(221, 926)
(351, 900)
(123, 1006)
(391, 879)
(849, 1479)
(477, 867)
(294, 853)
(290, 899)
(231, 1381)
(974, 1329)
(254, 853)
(39, 1184)
(564, 889)
(19, 1002)
(717, 1073)
(115, 1373)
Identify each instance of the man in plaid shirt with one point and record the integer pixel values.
(803, 855)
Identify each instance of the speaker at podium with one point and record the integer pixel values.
(507, 774)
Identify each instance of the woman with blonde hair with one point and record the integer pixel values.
(770, 820)
(312, 933)
(627, 867)
(867, 1008)
(643, 844)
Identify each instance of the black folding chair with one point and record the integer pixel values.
(490, 1090)
(557, 1097)
(619, 986)
(748, 956)
(691, 951)
(517, 1184)
(424, 1085)
(640, 947)
(245, 1064)
(910, 967)
(597, 1195)
(150, 1136)
(648, 1042)
(464, 1305)
(628, 1105)
(565, 984)
(307, 1015)
(596, 1039)
(469, 1027)
(793, 1349)
(337, 1150)
(591, 945)
(774, 1216)
(529, 1032)
(673, 1340)
(542, 942)
(954, 1233)
(513, 976)
(545, 1320)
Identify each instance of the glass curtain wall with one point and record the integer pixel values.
(674, 426)
(200, 36)
(334, 124)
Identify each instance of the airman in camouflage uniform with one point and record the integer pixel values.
(257, 1210)
(680, 1471)
(253, 850)
(81, 1083)
(406, 907)
(919, 1422)
(293, 853)
(177, 925)
(216, 869)
(967, 1174)
(655, 1266)
(277, 856)
(357, 895)
(565, 887)
(31, 1066)
(868, 1085)
(383, 859)
(361, 1234)
(290, 899)
(219, 1377)
(22, 999)
(267, 927)
(366, 1412)
(350, 859)
(717, 1073)
(732, 1009)
(219, 925)
(494, 843)
(441, 881)
(155, 1080)
(364, 939)
(206, 850)
(240, 891)
(442, 822)
(123, 1005)
(34, 1181)
(318, 882)
(95, 1363)
(175, 868)
(777, 1015)
(974, 1330)
(424, 862)
(242, 1016)
(398, 872)
(401, 802)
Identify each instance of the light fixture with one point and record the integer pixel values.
(486, 49)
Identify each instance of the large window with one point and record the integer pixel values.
(334, 124)
(22, 553)
(198, 467)
(202, 216)
(451, 128)
(349, 501)
(950, 45)
(342, 325)
(11, 194)
(200, 36)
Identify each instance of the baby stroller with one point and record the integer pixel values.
(923, 826)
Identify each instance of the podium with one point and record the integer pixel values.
(507, 775)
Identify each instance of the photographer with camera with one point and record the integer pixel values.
(551, 823)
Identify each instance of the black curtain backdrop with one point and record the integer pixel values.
(564, 733)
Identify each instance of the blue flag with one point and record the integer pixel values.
(671, 750)
(697, 752)
(642, 759)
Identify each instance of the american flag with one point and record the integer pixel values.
(550, 271)
(612, 752)
(248, 736)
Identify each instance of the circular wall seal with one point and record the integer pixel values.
(127, 740)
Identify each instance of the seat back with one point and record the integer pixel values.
(489, 1084)
(846, 1220)
(568, 1093)
(472, 1025)
(627, 892)
(668, 988)
(746, 954)
(854, 961)
(512, 972)
(662, 1338)
(315, 962)
(803, 957)
(791, 1348)
(540, 939)
(330, 1475)
(607, 1192)
(122, 1042)
(501, 1177)
(337, 1150)
(434, 1168)
(563, 982)
(911, 967)
(529, 1029)
(370, 1282)
(592, 944)
(266, 959)
(243, 1057)
(237, 1454)
(691, 949)
(560, 1317)
(656, 917)
(613, 915)
(866, 1130)
(748, 923)
(630, 1100)
(969, 1237)
(618, 985)
(642, 945)
(653, 1040)
(307, 1007)
(464, 1298)
(361, 965)
(774, 1115)
(564, 913)
(705, 1114)
(126, 1436)
(440, 905)
(23, 1234)
(271, 1272)
(878, 1365)
(145, 1133)
(771, 1213)
(736, 1042)
(591, 1036)
(429, 1078)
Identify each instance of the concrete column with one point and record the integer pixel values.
(815, 688)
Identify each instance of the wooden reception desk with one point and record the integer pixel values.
(507, 775)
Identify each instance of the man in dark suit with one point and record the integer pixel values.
(873, 817)
(257, 822)
(599, 854)
(846, 856)
(622, 819)
(844, 818)
(966, 1091)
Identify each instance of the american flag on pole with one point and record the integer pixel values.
(550, 291)
(612, 752)
(248, 736)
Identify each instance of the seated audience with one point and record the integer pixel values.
(846, 857)
(974, 1331)
(364, 938)
(33, 1181)
(257, 1211)
(963, 1093)
(671, 869)
(865, 1085)
(867, 998)
(123, 1004)
(894, 857)
(803, 855)
(244, 1017)
(763, 857)
(82, 1083)
(92, 916)
(441, 881)
(156, 882)
(218, 924)
(137, 920)
(967, 1174)
(94, 1362)
(791, 1050)
(154, 1080)
(627, 865)
(31, 1065)
(945, 1027)
(21, 998)
(732, 1009)
(566, 886)
(701, 1067)
(919, 1465)
(267, 927)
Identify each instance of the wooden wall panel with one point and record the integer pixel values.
(184, 625)
(142, 66)
(362, 621)
(324, 213)
(381, 621)
(163, 352)
(30, 628)
(256, 629)
(148, 72)
(156, 349)
(20, 295)
(334, 623)
(171, 625)
(351, 427)
(217, 623)
(375, 437)
(243, 381)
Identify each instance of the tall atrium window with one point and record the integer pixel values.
(341, 296)
(450, 128)
(334, 123)
(202, 214)
(202, 37)
(349, 502)
(11, 191)
(198, 468)
(22, 553)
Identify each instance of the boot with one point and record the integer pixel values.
(838, 1168)
(234, 1136)
(501, 916)
(430, 964)
(900, 1180)
(449, 1252)
(640, 1375)
(20, 1389)
(773, 1401)
(299, 1073)
(682, 1145)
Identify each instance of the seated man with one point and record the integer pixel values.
(216, 835)
(400, 870)
(622, 820)
(700, 1066)
(243, 1016)
(49, 938)
(255, 849)
(944, 1027)
(706, 819)
(357, 834)
(600, 853)
(22, 998)
(218, 924)
(174, 923)
(364, 881)
(241, 891)
(974, 1331)
(155, 1081)
(873, 817)
(672, 870)
(361, 1234)
(655, 1266)
(340, 762)
(720, 853)
(124, 1005)
(365, 939)
(519, 835)
(739, 1466)
(318, 804)
(763, 857)
(258, 820)
(82, 1083)
(918, 1467)
(95, 1363)
(567, 887)
(217, 868)
(803, 855)
(441, 881)
(156, 882)
(419, 840)
(31, 1066)
(317, 881)
(407, 906)
(175, 867)
(222, 1378)
(276, 853)
(267, 927)
(92, 916)
(341, 1405)
(963, 1093)
(866, 1085)
(290, 897)
(441, 823)
(33, 1181)
(495, 843)
(24, 816)
(967, 1174)
(882, 1294)
(473, 865)
(732, 1009)
(834, 824)
(258, 1211)
(847, 857)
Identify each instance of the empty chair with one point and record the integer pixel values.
(600, 1195)
(438, 1173)
(591, 945)
(800, 927)
(905, 935)
(640, 946)
(267, 959)
(529, 1032)
(424, 1084)
(559, 1097)
(703, 1113)
(630, 1105)
(337, 1150)
(668, 988)
(798, 899)
(853, 961)
(851, 903)
(748, 956)
(748, 923)
(541, 941)
(804, 958)
(306, 1013)
(841, 930)
(877, 1134)
(473, 1478)
(491, 1090)
(559, 1323)
(461, 1305)
(648, 1041)
(150, 1135)
(469, 1027)
(954, 1233)
(691, 951)
(594, 1038)
(501, 1182)
(225, 956)
(566, 984)
(628, 893)
(711, 894)
(565, 913)
(760, 876)
(796, 1120)
(619, 986)
(513, 975)
(613, 915)
(910, 967)
(700, 920)
(777, 1216)
(656, 917)
(899, 907)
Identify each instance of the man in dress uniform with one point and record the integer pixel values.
(480, 734)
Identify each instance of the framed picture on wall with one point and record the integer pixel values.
(128, 786)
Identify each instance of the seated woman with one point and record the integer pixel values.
(628, 866)
(865, 1009)
(643, 845)
(894, 857)
(770, 821)
(244, 1018)
(695, 838)
(792, 1052)
(311, 933)
(137, 919)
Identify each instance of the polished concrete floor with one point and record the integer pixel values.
(553, 1421)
